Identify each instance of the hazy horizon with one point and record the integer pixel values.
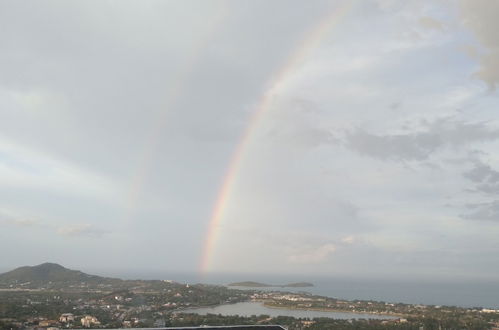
(145, 273)
(328, 138)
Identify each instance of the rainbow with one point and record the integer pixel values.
(312, 40)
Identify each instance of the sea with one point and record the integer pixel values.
(428, 292)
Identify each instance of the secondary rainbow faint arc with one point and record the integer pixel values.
(309, 43)
(146, 158)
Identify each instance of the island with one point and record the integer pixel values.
(252, 284)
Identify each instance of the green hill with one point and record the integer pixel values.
(49, 272)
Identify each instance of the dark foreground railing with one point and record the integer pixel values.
(221, 327)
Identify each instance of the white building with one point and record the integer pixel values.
(89, 320)
(66, 318)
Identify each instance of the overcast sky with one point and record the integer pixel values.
(376, 153)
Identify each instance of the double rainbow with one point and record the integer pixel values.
(312, 40)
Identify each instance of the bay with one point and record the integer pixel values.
(457, 292)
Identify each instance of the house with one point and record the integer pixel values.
(66, 318)
(88, 321)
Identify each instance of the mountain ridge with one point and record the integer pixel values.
(49, 272)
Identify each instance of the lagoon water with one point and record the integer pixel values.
(257, 308)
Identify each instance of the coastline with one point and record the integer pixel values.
(318, 309)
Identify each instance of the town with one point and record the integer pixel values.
(51, 297)
(135, 303)
(162, 303)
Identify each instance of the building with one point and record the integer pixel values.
(47, 323)
(88, 321)
(66, 318)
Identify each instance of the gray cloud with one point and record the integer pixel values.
(299, 125)
(314, 255)
(395, 105)
(483, 211)
(14, 219)
(419, 145)
(20, 222)
(75, 229)
(482, 173)
(486, 178)
(431, 23)
(80, 230)
(392, 147)
(119, 121)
